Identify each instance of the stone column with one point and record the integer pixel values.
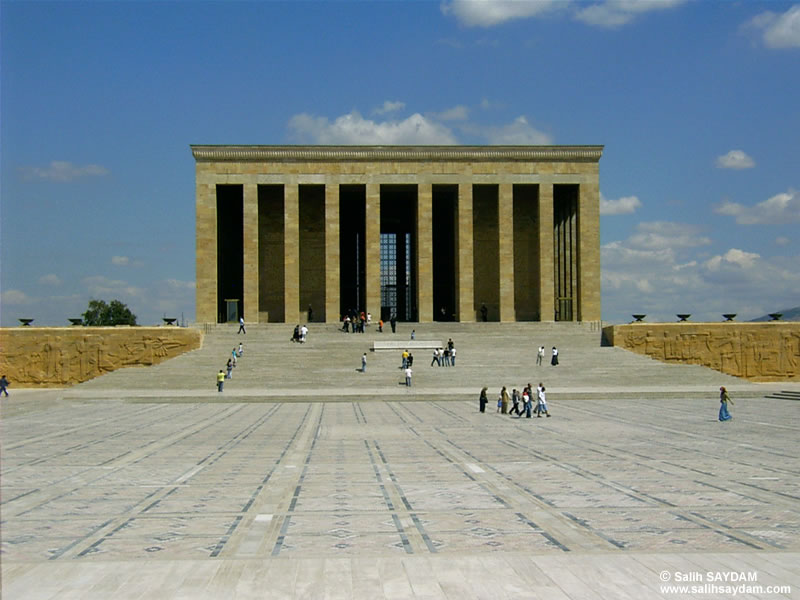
(505, 221)
(373, 250)
(206, 258)
(465, 281)
(589, 307)
(425, 253)
(291, 260)
(250, 249)
(546, 275)
(332, 253)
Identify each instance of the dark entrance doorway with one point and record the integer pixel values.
(352, 249)
(444, 213)
(398, 260)
(565, 245)
(230, 250)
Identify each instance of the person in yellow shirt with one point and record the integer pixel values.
(220, 380)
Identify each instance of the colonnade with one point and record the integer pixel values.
(502, 233)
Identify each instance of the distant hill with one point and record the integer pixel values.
(789, 314)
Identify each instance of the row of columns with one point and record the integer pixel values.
(465, 301)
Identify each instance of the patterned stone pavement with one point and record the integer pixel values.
(141, 498)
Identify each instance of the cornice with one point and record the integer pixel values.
(203, 153)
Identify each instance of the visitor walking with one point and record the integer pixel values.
(554, 359)
(540, 356)
(408, 374)
(541, 404)
(241, 327)
(724, 398)
(393, 322)
(453, 356)
(4, 385)
(364, 363)
(526, 401)
(229, 369)
(515, 401)
(483, 399)
(240, 350)
(504, 401)
(220, 380)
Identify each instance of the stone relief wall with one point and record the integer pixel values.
(768, 351)
(62, 356)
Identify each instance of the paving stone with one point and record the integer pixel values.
(151, 486)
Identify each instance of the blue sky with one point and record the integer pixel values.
(697, 104)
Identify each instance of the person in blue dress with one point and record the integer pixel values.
(724, 398)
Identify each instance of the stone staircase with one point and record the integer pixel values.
(327, 366)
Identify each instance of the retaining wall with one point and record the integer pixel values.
(63, 356)
(767, 351)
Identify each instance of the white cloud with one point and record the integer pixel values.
(518, 133)
(782, 241)
(661, 281)
(355, 129)
(622, 206)
(615, 13)
(780, 209)
(15, 297)
(456, 113)
(486, 13)
(666, 235)
(734, 256)
(107, 289)
(63, 171)
(779, 30)
(735, 159)
(178, 285)
(120, 261)
(388, 107)
(50, 279)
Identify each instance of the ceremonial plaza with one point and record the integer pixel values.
(315, 471)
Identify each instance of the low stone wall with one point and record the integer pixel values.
(63, 356)
(768, 351)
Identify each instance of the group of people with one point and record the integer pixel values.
(300, 333)
(445, 357)
(540, 356)
(236, 354)
(356, 322)
(523, 403)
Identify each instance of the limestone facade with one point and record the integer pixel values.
(63, 356)
(768, 351)
(434, 232)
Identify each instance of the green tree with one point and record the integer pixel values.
(114, 313)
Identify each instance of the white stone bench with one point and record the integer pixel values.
(406, 345)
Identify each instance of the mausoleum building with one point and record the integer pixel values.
(427, 233)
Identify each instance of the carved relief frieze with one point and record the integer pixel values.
(55, 357)
(757, 351)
